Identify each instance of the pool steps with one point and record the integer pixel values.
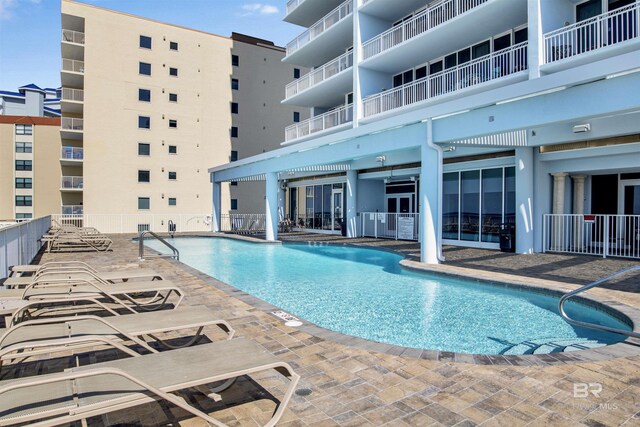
(547, 346)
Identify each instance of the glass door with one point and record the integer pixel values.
(337, 209)
(587, 37)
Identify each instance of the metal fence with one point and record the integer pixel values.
(20, 243)
(137, 223)
(398, 226)
(243, 223)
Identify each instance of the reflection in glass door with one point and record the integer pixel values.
(337, 210)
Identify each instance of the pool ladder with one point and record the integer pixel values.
(175, 254)
(571, 294)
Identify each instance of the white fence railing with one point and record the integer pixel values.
(420, 23)
(72, 182)
(398, 226)
(594, 33)
(136, 223)
(330, 69)
(325, 121)
(73, 65)
(486, 68)
(332, 18)
(69, 94)
(71, 36)
(243, 223)
(20, 243)
(603, 235)
(72, 153)
(292, 4)
(69, 123)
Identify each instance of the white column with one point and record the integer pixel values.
(578, 193)
(281, 203)
(535, 49)
(352, 206)
(558, 192)
(429, 200)
(216, 208)
(271, 210)
(524, 200)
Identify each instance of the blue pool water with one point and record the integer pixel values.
(365, 293)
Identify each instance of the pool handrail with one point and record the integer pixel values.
(176, 252)
(591, 285)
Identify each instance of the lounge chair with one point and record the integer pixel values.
(63, 241)
(93, 390)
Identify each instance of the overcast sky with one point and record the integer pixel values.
(30, 29)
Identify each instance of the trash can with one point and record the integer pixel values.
(343, 228)
(507, 238)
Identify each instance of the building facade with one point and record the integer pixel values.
(30, 100)
(461, 122)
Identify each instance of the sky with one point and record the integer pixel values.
(30, 29)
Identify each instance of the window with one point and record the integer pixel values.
(173, 124)
(24, 147)
(144, 95)
(234, 108)
(234, 183)
(234, 204)
(173, 149)
(235, 84)
(234, 132)
(173, 201)
(144, 149)
(144, 122)
(24, 165)
(173, 45)
(24, 216)
(24, 129)
(235, 60)
(173, 97)
(145, 42)
(144, 203)
(296, 73)
(24, 200)
(144, 176)
(234, 156)
(144, 68)
(296, 117)
(173, 72)
(24, 183)
(173, 176)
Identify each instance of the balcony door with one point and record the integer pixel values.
(587, 36)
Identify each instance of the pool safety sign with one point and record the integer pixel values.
(405, 228)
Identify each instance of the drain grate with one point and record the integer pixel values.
(284, 316)
(303, 392)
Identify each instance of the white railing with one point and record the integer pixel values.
(332, 18)
(594, 33)
(72, 153)
(486, 68)
(72, 210)
(398, 226)
(603, 235)
(325, 121)
(72, 65)
(243, 223)
(69, 123)
(330, 69)
(420, 23)
(69, 94)
(20, 243)
(293, 4)
(71, 36)
(72, 182)
(136, 223)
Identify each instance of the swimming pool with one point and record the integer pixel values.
(365, 293)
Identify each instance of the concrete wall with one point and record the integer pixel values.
(7, 149)
(46, 171)
(555, 13)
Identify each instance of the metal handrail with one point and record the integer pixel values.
(571, 294)
(176, 252)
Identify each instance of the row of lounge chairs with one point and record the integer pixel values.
(70, 238)
(71, 307)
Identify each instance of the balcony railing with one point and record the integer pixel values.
(422, 22)
(69, 123)
(293, 4)
(72, 182)
(486, 68)
(332, 18)
(71, 36)
(72, 153)
(603, 30)
(72, 210)
(321, 74)
(72, 94)
(73, 65)
(328, 120)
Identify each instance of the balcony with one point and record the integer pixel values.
(604, 35)
(71, 156)
(72, 44)
(72, 210)
(306, 12)
(71, 128)
(307, 91)
(71, 183)
(72, 74)
(341, 39)
(333, 119)
(70, 36)
(72, 101)
(73, 66)
(482, 73)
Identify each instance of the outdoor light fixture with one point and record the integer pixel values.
(582, 128)
(381, 159)
(449, 149)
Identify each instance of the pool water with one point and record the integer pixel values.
(365, 293)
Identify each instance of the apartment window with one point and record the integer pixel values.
(173, 45)
(24, 200)
(24, 216)
(24, 182)
(234, 108)
(296, 73)
(144, 68)
(144, 176)
(24, 147)
(235, 84)
(173, 176)
(144, 203)
(144, 149)
(173, 149)
(235, 60)
(173, 97)
(234, 156)
(234, 183)
(144, 95)
(24, 165)
(173, 201)
(234, 204)
(234, 132)
(173, 72)
(173, 124)
(145, 42)
(296, 117)
(144, 122)
(24, 129)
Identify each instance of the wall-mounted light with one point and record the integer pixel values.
(582, 128)
(449, 149)
(381, 159)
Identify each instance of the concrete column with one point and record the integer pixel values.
(351, 210)
(430, 184)
(535, 49)
(558, 192)
(281, 203)
(271, 208)
(524, 200)
(216, 208)
(577, 223)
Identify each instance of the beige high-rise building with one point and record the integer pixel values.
(147, 107)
